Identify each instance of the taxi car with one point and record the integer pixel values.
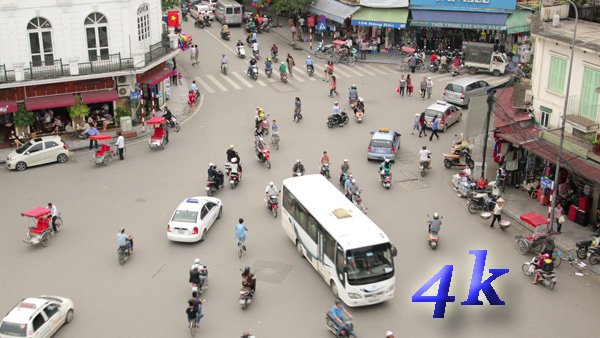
(447, 113)
(37, 317)
(193, 218)
(38, 151)
(384, 143)
(198, 11)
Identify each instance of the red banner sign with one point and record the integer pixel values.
(173, 18)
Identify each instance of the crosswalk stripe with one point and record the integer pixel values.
(390, 68)
(349, 69)
(217, 83)
(297, 77)
(336, 71)
(376, 69)
(231, 82)
(270, 79)
(205, 85)
(305, 75)
(260, 83)
(239, 77)
(363, 69)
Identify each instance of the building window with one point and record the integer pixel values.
(557, 74)
(588, 105)
(40, 41)
(545, 116)
(143, 22)
(96, 32)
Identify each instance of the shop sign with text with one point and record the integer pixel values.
(492, 6)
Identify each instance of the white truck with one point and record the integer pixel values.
(481, 57)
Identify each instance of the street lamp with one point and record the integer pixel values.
(564, 119)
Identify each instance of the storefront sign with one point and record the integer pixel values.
(378, 24)
(546, 183)
(417, 23)
(493, 6)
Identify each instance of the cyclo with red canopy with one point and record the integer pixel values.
(540, 240)
(158, 140)
(40, 229)
(106, 153)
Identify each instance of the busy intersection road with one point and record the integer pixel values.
(147, 296)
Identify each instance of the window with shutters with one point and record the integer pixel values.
(40, 41)
(589, 102)
(143, 22)
(96, 31)
(557, 74)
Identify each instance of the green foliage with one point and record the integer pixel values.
(290, 6)
(79, 111)
(23, 118)
(122, 111)
(168, 4)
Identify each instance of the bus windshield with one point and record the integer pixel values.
(369, 264)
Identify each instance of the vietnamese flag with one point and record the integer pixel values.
(173, 18)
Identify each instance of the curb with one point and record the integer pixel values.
(526, 227)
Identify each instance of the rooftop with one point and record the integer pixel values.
(587, 32)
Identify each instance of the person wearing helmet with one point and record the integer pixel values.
(298, 168)
(353, 93)
(231, 153)
(545, 265)
(249, 280)
(337, 314)
(435, 224)
(274, 51)
(224, 60)
(236, 167)
(214, 175)
(424, 156)
(349, 186)
(310, 66)
(282, 70)
(268, 65)
(125, 241)
(251, 65)
(271, 190)
(389, 334)
(336, 112)
(352, 189)
(385, 167)
(359, 106)
(344, 170)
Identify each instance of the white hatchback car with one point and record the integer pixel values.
(198, 11)
(38, 151)
(193, 218)
(37, 317)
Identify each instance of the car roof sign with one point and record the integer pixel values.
(191, 200)
(384, 130)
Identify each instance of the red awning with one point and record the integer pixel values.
(519, 136)
(156, 78)
(506, 114)
(105, 95)
(37, 212)
(45, 102)
(8, 107)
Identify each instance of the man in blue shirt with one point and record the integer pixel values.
(310, 64)
(91, 131)
(240, 232)
(348, 186)
(435, 124)
(338, 312)
(124, 240)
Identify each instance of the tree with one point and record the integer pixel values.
(168, 4)
(290, 7)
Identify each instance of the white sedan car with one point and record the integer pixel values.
(193, 218)
(38, 151)
(37, 317)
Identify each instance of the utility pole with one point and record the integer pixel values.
(490, 103)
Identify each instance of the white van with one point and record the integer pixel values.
(229, 12)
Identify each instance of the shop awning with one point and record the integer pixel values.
(8, 107)
(519, 136)
(333, 10)
(45, 102)
(381, 17)
(464, 20)
(518, 22)
(156, 78)
(506, 114)
(96, 96)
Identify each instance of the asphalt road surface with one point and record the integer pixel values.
(147, 296)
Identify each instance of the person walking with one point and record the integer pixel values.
(328, 71)
(173, 77)
(290, 63)
(413, 63)
(333, 87)
(416, 124)
(423, 87)
(197, 55)
(435, 124)
(193, 55)
(91, 131)
(429, 87)
(120, 145)
(297, 109)
(402, 85)
(497, 211)
(558, 213)
(422, 124)
(409, 85)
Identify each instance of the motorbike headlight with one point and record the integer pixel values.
(354, 295)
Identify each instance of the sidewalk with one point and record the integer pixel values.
(177, 104)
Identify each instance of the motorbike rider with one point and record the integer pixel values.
(268, 64)
(435, 224)
(236, 168)
(252, 64)
(224, 60)
(255, 47)
(338, 311)
(239, 44)
(213, 175)
(274, 50)
(125, 241)
(225, 29)
(353, 93)
(282, 69)
(271, 190)
(352, 189)
(344, 170)
(259, 142)
(298, 167)
(348, 187)
(324, 158)
(545, 266)
(168, 115)
(310, 64)
(424, 156)
(336, 112)
(232, 153)
(385, 167)
(249, 280)
(360, 106)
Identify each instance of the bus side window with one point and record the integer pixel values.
(289, 202)
(312, 228)
(339, 263)
(302, 218)
(329, 246)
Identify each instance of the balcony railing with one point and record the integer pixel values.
(576, 107)
(157, 51)
(46, 70)
(6, 75)
(110, 63)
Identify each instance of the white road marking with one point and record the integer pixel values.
(230, 81)
(217, 83)
(337, 71)
(205, 85)
(296, 77)
(376, 69)
(242, 80)
(362, 69)
(347, 69)
(260, 83)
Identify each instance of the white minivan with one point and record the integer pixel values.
(229, 12)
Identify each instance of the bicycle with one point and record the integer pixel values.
(58, 223)
(572, 259)
(193, 326)
(241, 246)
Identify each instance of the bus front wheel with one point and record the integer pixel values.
(299, 248)
(334, 289)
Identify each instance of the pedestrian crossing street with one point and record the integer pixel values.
(239, 80)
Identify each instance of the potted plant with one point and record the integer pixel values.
(23, 119)
(78, 112)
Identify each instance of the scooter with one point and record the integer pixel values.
(433, 238)
(256, 54)
(297, 116)
(253, 72)
(246, 295)
(454, 160)
(310, 69)
(269, 72)
(199, 24)
(224, 68)
(241, 52)
(263, 155)
(323, 49)
(212, 186)
(434, 66)
(173, 124)
(225, 35)
(274, 57)
(583, 246)
(483, 201)
(283, 77)
(332, 326)
(234, 179)
(548, 278)
(298, 173)
(424, 167)
(359, 115)
(273, 204)
(337, 120)
(325, 170)
(200, 288)
(123, 254)
(386, 178)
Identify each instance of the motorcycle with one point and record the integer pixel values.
(433, 238)
(323, 49)
(332, 326)
(482, 202)
(269, 72)
(593, 255)
(457, 70)
(310, 69)
(241, 52)
(246, 295)
(200, 288)
(325, 170)
(224, 68)
(253, 72)
(461, 144)
(199, 24)
(357, 200)
(173, 124)
(434, 66)
(455, 160)
(283, 77)
(207, 22)
(211, 184)
(352, 101)
(359, 115)
(273, 204)
(549, 278)
(423, 167)
(337, 120)
(386, 178)
(225, 35)
(274, 56)
(263, 155)
(234, 179)
(123, 254)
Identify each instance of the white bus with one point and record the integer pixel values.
(350, 252)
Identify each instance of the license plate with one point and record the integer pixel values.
(181, 231)
(380, 151)
(242, 301)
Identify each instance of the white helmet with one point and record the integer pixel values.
(197, 261)
(211, 164)
(234, 160)
(345, 160)
(353, 181)
(360, 99)
(270, 184)
(436, 215)
(308, 57)
(389, 334)
(298, 161)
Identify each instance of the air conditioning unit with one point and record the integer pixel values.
(124, 91)
(123, 80)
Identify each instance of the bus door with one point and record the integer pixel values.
(323, 269)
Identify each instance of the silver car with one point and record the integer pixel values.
(460, 91)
